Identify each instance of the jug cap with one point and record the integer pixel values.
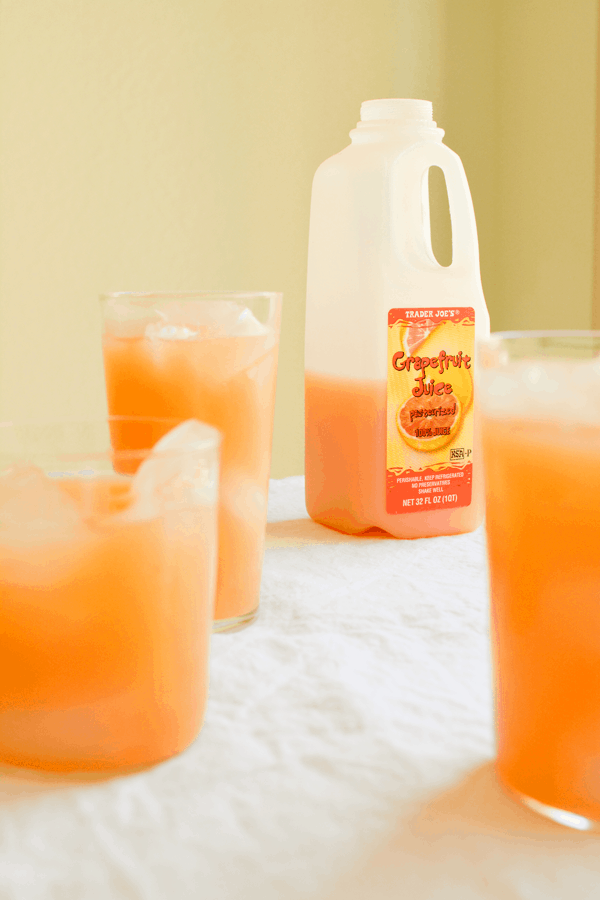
(397, 110)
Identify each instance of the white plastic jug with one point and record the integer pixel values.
(390, 369)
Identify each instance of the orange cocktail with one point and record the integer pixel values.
(212, 357)
(541, 424)
(107, 587)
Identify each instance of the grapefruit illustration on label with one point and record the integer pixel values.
(423, 433)
(429, 408)
(414, 337)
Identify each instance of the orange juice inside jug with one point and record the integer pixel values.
(391, 440)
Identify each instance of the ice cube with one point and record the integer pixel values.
(204, 319)
(247, 324)
(564, 390)
(32, 504)
(168, 479)
(158, 331)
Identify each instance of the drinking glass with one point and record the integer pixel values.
(107, 586)
(211, 356)
(539, 394)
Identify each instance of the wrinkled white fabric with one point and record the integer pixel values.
(349, 730)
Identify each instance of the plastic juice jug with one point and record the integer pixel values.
(390, 335)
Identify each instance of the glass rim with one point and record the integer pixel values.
(190, 295)
(546, 333)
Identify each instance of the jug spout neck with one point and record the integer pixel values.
(386, 119)
(399, 110)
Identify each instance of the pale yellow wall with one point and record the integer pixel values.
(466, 106)
(518, 102)
(546, 140)
(171, 144)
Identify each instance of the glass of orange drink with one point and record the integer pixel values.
(211, 356)
(540, 399)
(107, 585)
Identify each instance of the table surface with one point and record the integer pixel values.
(346, 752)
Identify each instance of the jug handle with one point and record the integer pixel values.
(410, 208)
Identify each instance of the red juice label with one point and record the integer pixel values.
(430, 408)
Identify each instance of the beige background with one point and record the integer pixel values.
(171, 144)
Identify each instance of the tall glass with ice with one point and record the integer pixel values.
(107, 589)
(540, 399)
(211, 356)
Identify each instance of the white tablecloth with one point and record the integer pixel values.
(346, 753)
